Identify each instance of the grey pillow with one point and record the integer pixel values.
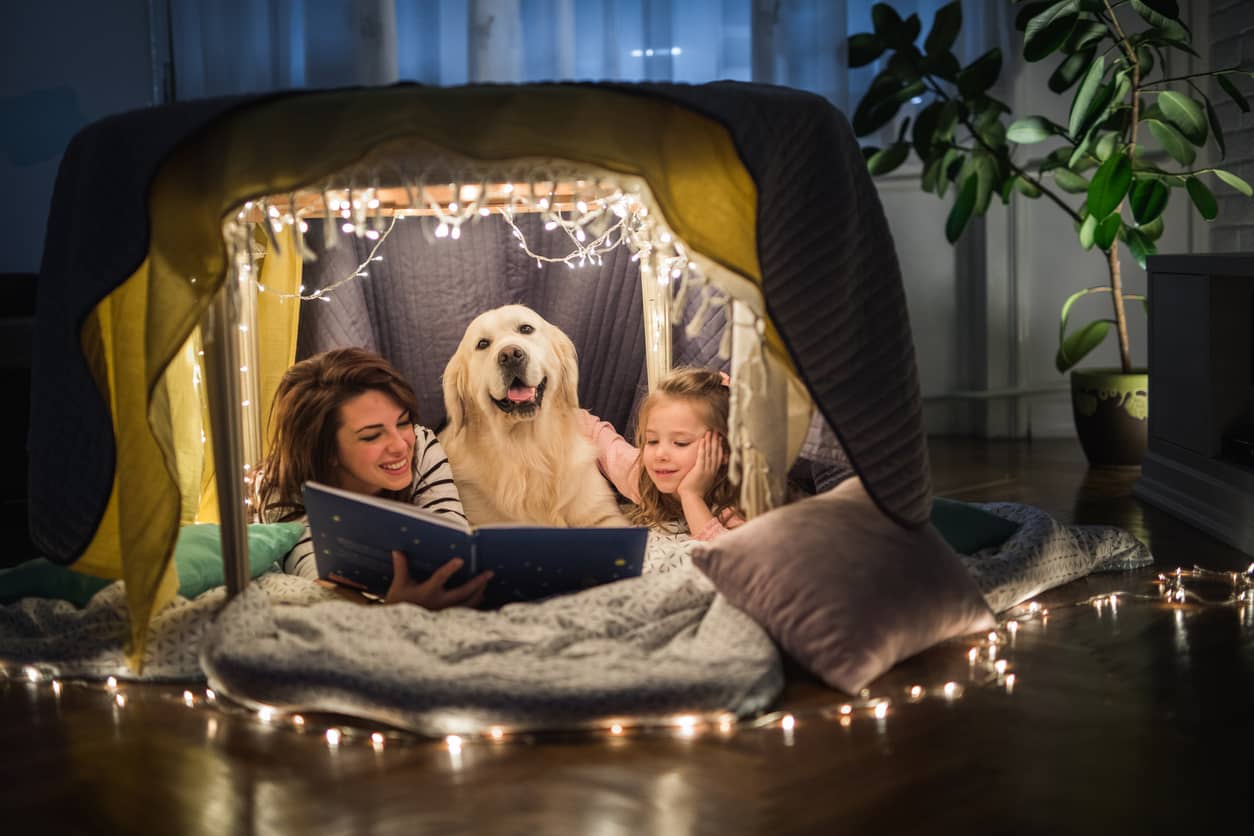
(842, 588)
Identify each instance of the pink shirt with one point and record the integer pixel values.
(619, 462)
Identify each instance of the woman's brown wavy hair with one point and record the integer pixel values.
(706, 391)
(305, 417)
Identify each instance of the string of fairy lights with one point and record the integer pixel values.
(989, 663)
(595, 214)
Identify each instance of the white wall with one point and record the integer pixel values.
(62, 65)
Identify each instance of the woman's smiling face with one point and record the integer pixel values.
(673, 427)
(374, 445)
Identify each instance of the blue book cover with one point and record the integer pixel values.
(354, 536)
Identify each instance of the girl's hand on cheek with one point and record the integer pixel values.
(710, 459)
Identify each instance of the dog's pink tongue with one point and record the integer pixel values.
(522, 394)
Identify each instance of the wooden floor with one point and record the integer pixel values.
(1127, 722)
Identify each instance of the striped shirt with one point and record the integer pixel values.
(431, 488)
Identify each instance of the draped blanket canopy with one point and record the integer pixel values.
(766, 183)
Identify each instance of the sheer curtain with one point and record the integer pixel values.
(233, 46)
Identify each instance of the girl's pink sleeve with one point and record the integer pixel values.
(616, 457)
(721, 524)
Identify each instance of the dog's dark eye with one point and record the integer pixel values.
(481, 345)
(525, 329)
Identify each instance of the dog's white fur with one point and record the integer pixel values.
(531, 469)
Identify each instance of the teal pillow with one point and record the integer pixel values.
(198, 553)
(197, 559)
(966, 528)
(41, 578)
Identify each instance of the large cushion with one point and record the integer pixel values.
(843, 589)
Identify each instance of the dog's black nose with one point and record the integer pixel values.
(511, 356)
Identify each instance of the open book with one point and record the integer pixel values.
(354, 535)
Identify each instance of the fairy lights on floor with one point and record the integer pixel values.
(988, 667)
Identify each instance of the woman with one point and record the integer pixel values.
(346, 418)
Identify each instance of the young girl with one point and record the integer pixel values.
(678, 474)
(346, 418)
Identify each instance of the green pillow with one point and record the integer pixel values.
(967, 528)
(198, 553)
(41, 578)
(197, 559)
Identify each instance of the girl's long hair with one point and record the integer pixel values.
(706, 391)
(305, 418)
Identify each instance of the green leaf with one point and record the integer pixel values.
(951, 164)
(1145, 57)
(1030, 11)
(931, 173)
(924, 134)
(864, 48)
(1078, 345)
(1049, 29)
(945, 28)
(1108, 231)
(1071, 68)
(1069, 181)
(1169, 26)
(1233, 92)
(1172, 141)
(980, 74)
(881, 102)
(1088, 232)
(942, 64)
(905, 64)
(1087, 34)
(1106, 144)
(1185, 114)
(1216, 128)
(961, 211)
(1234, 181)
(888, 159)
(1152, 230)
(885, 19)
(1139, 245)
(1202, 198)
(1147, 199)
(1026, 187)
(1084, 101)
(1031, 129)
(1109, 185)
(888, 25)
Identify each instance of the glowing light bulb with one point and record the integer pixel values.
(497, 732)
(333, 737)
(1000, 666)
(120, 699)
(788, 723)
(189, 699)
(298, 721)
(376, 740)
(616, 729)
(111, 683)
(881, 710)
(441, 231)
(454, 743)
(916, 692)
(265, 714)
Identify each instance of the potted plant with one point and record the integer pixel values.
(1125, 112)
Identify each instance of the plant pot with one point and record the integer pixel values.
(1111, 415)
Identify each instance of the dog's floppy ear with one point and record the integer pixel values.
(568, 360)
(456, 377)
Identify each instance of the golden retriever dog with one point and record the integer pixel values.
(512, 439)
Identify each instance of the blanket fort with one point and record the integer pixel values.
(766, 185)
